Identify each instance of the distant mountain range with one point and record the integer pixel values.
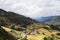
(49, 19)
(45, 19)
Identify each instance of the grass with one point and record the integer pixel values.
(14, 33)
(43, 34)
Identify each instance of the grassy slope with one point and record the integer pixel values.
(4, 35)
(32, 31)
(37, 34)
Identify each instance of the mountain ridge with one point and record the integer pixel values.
(15, 18)
(46, 19)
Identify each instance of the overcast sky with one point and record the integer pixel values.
(32, 8)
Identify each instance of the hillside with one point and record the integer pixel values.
(49, 20)
(5, 36)
(18, 27)
(32, 34)
(53, 21)
(13, 19)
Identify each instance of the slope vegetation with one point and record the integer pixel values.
(19, 27)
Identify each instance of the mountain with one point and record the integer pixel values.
(55, 20)
(18, 27)
(51, 20)
(44, 19)
(9, 18)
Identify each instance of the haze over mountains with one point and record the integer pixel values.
(44, 19)
(50, 19)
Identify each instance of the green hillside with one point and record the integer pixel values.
(55, 20)
(19, 27)
(54, 23)
(11, 17)
(33, 33)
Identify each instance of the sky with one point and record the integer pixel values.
(32, 8)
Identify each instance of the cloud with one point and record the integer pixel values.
(32, 8)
